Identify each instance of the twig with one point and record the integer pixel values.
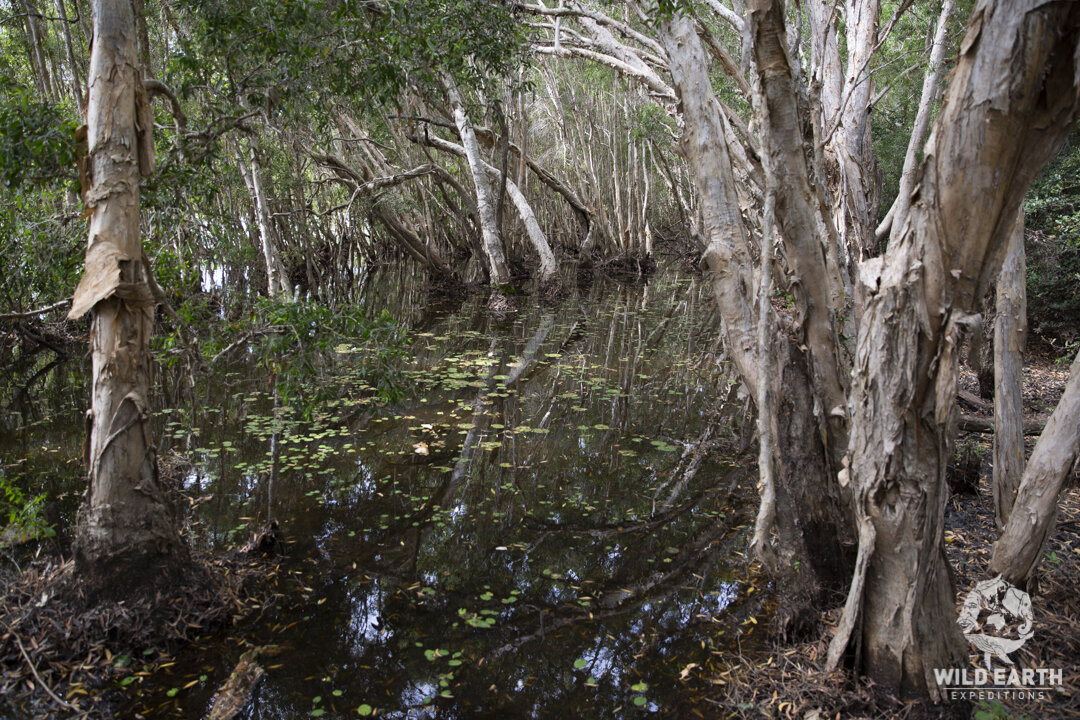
(30, 663)
(39, 311)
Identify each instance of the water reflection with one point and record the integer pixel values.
(544, 525)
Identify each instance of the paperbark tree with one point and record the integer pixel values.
(126, 535)
(549, 268)
(811, 529)
(498, 271)
(1011, 100)
(277, 278)
(884, 441)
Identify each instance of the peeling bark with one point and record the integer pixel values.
(809, 240)
(1011, 101)
(126, 535)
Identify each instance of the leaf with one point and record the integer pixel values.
(365, 710)
(579, 663)
(685, 672)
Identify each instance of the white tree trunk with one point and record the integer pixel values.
(809, 529)
(549, 267)
(126, 534)
(1010, 328)
(727, 256)
(499, 272)
(277, 280)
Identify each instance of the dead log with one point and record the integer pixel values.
(970, 423)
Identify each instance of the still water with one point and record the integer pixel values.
(538, 513)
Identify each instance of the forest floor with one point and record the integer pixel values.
(789, 681)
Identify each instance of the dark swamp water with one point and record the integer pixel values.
(527, 530)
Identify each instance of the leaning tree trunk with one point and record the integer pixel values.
(1020, 546)
(1010, 327)
(549, 267)
(126, 534)
(1012, 99)
(498, 271)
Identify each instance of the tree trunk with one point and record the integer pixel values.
(1011, 100)
(1010, 328)
(35, 38)
(498, 271)
(727, 256)
(549, 268)
(277, 279)
(980, 356)
(856, 196)
(76, 75)
(1020, 546)
(126, 534)
(810, 521)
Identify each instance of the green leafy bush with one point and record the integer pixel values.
(23, 518)
(1053, 246)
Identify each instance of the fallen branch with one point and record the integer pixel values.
(970, 423)
(975, 402)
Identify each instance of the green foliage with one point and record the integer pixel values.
(39, 244)
(655, 124)
(893, 116)
(1053, 202)
(1053, 246)
(37, 139)
(22, 514)
(297, 340)
(277, 56)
